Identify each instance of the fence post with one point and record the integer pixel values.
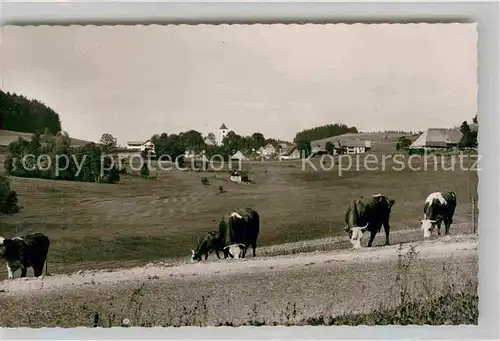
(474, 214)
(473, 188)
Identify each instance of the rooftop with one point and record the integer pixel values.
(137, 142)
(438, 137)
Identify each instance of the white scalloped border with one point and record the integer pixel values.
(279, 24)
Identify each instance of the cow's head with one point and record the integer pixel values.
(427, 225)
(9, 245)
(355, 235)
(204, 245)
(195, 256)
(235, 250)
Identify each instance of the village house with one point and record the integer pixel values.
(140, 146)
(355, 146)
(283, 146)
(292, 153)
(238, 156)
(341, 145)
(209, 142)
(438, 138)
(267, 150)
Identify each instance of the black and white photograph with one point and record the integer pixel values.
(239, 175)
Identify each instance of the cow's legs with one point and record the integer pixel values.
(387, 230)
(254, 246)
(37, 270)
(372, 237)
(217, 253)
(9, 272)
(439, 228)
(206, 255)
(24, 271)
(447, 225)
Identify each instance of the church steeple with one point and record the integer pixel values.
(222, 133)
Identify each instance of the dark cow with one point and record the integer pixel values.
(439, 207)
(207, 244)
(238, 230)
(368, 214)
(24, 252)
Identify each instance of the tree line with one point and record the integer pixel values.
(18, 113)
(323, 132)
(50, 156)
(175, 145)
(469, 137)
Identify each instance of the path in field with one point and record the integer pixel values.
(237, 291)
(438, 248)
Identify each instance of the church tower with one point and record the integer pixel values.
(222, 133)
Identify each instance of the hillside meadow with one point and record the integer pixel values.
(140, 220)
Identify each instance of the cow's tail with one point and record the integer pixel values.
(353, 217)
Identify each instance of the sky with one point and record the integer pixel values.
(136, 81)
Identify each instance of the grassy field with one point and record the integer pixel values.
(137, 221)
(8, 136)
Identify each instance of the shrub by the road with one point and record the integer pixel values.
(8, 197)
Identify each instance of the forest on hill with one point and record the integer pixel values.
(21, 114)
(322, 132)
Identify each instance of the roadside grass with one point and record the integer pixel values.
(454, 304)
(447, 309)
(139, 220)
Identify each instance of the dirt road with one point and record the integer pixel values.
(313, 283)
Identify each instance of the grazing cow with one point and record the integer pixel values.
(368, 214)
(439, 207)
(207, 244)
(24, 252)
(238, 230)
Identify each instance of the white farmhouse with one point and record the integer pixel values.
(140, 146)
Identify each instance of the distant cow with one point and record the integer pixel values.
(439, 207)
(24, 252)
(368, 214)
(207, 244)
(238, 230)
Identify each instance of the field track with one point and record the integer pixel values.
(437, 248)
(315, 283)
